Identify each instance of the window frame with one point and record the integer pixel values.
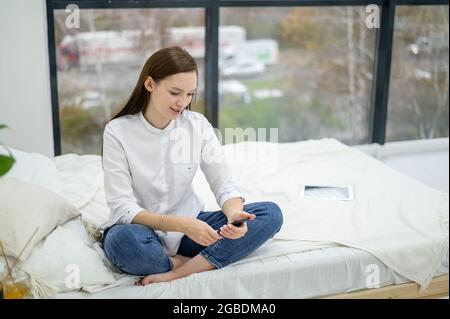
(381, 69)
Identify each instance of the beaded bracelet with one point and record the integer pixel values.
(162, 227)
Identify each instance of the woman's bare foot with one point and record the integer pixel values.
(163, 277)
(192, 265)
(177, 260)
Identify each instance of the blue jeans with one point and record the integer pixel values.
(137, 250)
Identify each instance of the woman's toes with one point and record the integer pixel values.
(146, 280)
(164, 277)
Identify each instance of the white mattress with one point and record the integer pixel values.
(279, 269)
(309, 274)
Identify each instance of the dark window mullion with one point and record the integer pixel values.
(212, 64)
(382, 68)
(53, 79)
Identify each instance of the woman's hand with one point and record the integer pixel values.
(200, 232)
(234, 232)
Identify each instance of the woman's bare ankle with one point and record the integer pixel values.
(179, 260)
(194, 265)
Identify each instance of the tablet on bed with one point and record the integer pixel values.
(327, 192)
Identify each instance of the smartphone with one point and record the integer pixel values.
(237, 223)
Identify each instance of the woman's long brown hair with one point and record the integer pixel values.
(161, 64)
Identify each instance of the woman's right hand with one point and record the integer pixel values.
(200, 232)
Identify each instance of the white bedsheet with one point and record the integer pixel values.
(398, 219)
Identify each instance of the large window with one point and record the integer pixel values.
(304, 70)
(311, 69)
(99, 63)
(418, 100)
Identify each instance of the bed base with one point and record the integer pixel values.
(438, 288)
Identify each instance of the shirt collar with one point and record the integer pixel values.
(155, 129)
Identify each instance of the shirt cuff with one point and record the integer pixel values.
(131, 212)
(229, 195)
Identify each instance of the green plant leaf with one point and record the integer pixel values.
(6, 162)
(3, 126)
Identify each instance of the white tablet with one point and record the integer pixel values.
(327, 192)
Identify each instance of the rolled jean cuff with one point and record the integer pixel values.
(170, 263)
(211, 259)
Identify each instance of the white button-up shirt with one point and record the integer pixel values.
(147, 168)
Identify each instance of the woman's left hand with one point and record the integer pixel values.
(233, 232)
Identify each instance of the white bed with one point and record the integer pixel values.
(279, 269)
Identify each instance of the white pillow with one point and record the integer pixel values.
(34, 168)
(80, 176)
(65, 259)
(24, 207)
